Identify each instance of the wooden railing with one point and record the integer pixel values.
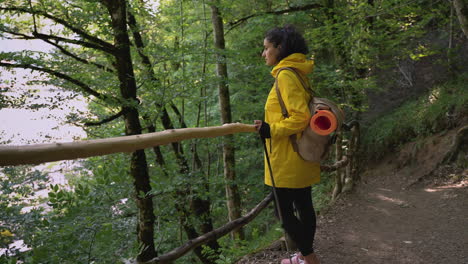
(35, 154)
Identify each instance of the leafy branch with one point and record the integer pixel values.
(86, 88)
(96, 42)
(76, 57)
(238, 22)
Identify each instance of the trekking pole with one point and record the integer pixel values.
(275, 195)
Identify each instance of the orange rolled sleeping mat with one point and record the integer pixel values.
(323, 122)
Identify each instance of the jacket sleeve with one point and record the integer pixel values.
(296, 101)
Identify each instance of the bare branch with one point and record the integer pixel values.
(337, 165)
(106, 120)
(215, 234)
(238, 22)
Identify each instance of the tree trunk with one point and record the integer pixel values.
(338, 176)
(461, 7)
(232, 193)
(199, 207)
(353, 146)
(138, 166)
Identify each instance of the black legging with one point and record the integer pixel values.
(301, 229)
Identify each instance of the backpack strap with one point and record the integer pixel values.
(284, 111)
(306, 86)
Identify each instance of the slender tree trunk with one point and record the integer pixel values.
(138, 166)
(159, 157)
(339, 172)
(232, 193)
(199, 207)
(461, 8)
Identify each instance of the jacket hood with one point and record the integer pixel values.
(297, 61)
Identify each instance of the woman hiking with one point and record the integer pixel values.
(292, 176)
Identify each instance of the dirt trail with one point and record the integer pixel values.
(398, 213)
(381, 223)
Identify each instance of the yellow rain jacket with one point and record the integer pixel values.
(289, 169)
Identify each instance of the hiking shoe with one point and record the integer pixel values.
(311, 259)
(294, 259)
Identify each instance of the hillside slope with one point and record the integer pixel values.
(405, 209)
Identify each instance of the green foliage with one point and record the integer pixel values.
(432, 113)
(94, 219)
(90, 219)
(21, 210)
(321, 192)
(258, 239)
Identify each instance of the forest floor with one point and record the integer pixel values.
(405, 209)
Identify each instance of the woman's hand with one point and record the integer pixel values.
(263, 128)
(258, 124)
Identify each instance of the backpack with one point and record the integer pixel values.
(311, 146)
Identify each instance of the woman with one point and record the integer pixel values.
(293, 176)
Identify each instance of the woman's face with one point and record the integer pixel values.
(270, 53)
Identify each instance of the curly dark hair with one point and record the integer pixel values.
(289, 39)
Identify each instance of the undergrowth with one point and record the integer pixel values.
(232, 250)
(441, 109)
(321, 193)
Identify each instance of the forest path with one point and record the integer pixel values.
(405, 209)
(382, 223)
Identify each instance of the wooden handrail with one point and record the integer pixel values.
(11, 155)
(35, 154)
